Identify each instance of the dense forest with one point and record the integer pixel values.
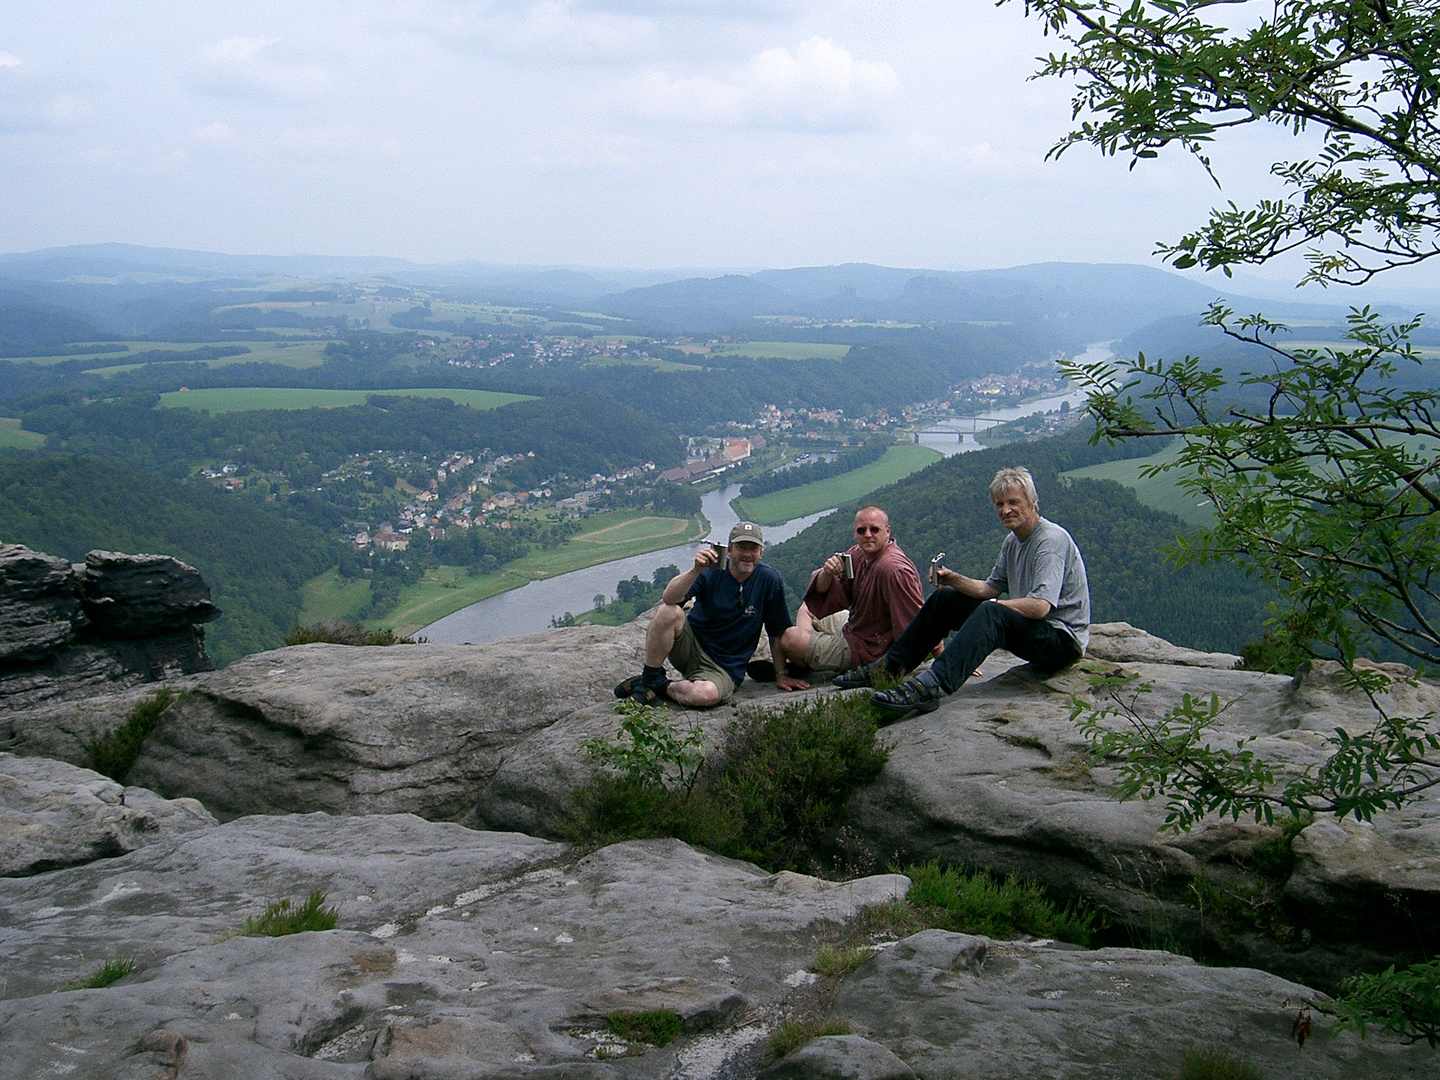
(947, 508)
(254, 557)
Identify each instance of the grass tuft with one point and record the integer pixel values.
(1216, 1063)
(979, 904)
(832, 960)
(655, 1026)
(791, 1035)
(343, 633)
(283, 918)
(773, 793)
(115, 752)
(109, 972)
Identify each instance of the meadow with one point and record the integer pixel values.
(1161, 492)
(12, 435)
(783, 350)
(445, 589)
(299, 354)
(261, 398)
(778, 506)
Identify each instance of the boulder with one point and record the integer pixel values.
(432, 730)
(68, 727)
(952, 1005)
(54, 815)
(840, 1057)
(39, 604)
(999, 777)
(458, 953)
(130, 596)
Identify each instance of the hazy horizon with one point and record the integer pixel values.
(620, 134)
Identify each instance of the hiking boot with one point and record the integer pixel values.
(855, 678)
(910, 698)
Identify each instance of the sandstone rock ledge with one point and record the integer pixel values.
(465, 954)
(997, 777)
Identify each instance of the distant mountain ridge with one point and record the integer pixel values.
(123, 287)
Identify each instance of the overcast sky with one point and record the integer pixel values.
(623, 133)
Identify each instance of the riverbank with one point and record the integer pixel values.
(444, 590)
(898, 463)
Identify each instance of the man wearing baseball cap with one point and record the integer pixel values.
(711, 645)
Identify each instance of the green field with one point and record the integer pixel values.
(1161, 492)
(784, 350)
(297, 354)
(778, 506)
(606, 536)
(256, 398)
(12, 435)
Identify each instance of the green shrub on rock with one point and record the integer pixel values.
(772, 792)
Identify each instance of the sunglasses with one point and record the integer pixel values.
(862, 530)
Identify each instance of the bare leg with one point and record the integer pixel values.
(698, 694)
(796, 640)
(665, 627)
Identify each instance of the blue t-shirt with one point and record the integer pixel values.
(728, 614)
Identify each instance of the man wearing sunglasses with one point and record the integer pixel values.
(1045, 617)
(846, 622)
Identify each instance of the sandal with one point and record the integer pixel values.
(626, 687)
(649, 695)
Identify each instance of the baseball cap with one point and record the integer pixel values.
(747, 531)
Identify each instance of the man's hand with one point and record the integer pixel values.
(941, 576)
(706, 556)
(789, 683)
(831, 571)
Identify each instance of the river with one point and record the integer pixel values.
(529, 609)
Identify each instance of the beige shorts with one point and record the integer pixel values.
(828, 650)
(694, 663)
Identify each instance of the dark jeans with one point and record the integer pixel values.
(982, 627)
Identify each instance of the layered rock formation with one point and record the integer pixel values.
(115, 620)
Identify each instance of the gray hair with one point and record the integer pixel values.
(1020, 477)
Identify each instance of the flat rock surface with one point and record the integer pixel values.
(956, 1006)
(458, 954)
(999, 776)
(53, 815)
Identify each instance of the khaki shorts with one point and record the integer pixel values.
(828, 650)
(694, 663)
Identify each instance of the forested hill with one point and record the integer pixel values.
(947, 508)
(253, 558)
(574, 432)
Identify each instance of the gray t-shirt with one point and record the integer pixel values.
(1047, 564)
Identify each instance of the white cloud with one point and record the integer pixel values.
(818, 86)
(9, 60)
(243, 66)
(555, 29)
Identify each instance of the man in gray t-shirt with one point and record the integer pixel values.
(1044, 619)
